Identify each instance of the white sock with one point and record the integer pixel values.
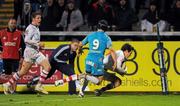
(92, 79)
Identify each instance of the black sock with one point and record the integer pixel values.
(107, 87)
(85, 85)
(35, 80)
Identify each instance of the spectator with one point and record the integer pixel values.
(72, 18)
(113, 3)
(174, 17)
(49, 16)
(124, 16)
(60, 9)
(12, 44)
(38, 5)
(98, 11)
(90, 2)
(84, 9)
(139, 4)
(132, 4)
(26, 15)
(168, 5)
(151, 19)
(18, 7)
(163, 5)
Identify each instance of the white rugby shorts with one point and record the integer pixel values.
(33, 56)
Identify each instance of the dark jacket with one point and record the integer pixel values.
(98, 12)
(124, 18)
(63, 55)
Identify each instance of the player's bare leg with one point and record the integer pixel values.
(9, 86)
(84, 83)
(93, 79)
(46, 67)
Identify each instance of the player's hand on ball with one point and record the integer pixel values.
(41, 45)
(114, 66)
(124, 67)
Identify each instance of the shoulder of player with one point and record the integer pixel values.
(99, 33)
(93, 33)
(106, 35)
(120, 53)
(31, 27)
(64, 47)
(61, 50)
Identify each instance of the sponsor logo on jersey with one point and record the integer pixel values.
(10, 44)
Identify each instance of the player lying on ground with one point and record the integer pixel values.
(115, 81)
(121, 68)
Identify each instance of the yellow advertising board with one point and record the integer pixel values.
(143, 69)
(141, 76)
(145, 79)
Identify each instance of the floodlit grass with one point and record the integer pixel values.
(89, 100)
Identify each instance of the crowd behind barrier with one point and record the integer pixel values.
(83, 15)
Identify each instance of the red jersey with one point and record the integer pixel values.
(11, 43)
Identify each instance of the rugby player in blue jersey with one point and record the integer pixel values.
(98, 42)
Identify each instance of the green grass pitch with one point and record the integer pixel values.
(89, 100)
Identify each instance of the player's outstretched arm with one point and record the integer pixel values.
(79, 51)
(114, 57)
(121, 70)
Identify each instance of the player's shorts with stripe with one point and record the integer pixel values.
(94, 67)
